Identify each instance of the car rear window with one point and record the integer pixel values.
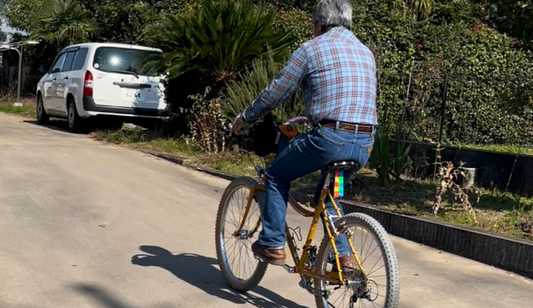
(116, 59)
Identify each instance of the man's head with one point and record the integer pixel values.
(331, 13)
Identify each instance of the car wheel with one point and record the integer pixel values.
(75, 122)
(42, 117)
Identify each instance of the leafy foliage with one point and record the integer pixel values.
(417, 9)
(297, 22)
(380, 158)
(486, 82)
(512, 17)
(489, 76)
(447, 177)
(485, 61)
(3, 36)
(207, 124)
(21, 14)
(64, 22)
(220, 38)
(386, 165)
(241, 93)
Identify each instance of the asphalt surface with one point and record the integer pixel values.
(74, 212)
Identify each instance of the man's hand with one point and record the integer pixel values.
(239, 125)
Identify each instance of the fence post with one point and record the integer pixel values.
(444, 89)
(443, 106)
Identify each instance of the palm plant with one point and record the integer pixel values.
(64, 22)
(241, 93)
(419, 9)
(221, 38)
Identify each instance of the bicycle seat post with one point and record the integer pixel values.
(334, 183)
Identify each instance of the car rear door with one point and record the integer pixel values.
(121, 82)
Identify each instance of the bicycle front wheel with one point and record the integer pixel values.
(234, 251)
(378, 283)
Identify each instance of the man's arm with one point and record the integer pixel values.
(283, 86)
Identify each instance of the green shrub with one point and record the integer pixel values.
(240, 94)
(488, 90)
(220, 38)
(297, 22)
(490, 79)
(207, 124)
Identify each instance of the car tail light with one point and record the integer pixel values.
(88, 84)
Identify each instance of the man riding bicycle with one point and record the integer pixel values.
(337, 74)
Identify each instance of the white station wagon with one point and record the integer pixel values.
(107, 79)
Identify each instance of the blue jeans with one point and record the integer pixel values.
(304, 155)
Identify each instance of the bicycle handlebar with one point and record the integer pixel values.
(290, 121)
(297, 119)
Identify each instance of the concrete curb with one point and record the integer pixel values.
(172, 158)
(510, 254)
(496, 250)
(183, 162)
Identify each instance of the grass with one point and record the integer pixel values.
(141, 139)
(499, 212)
(27, 109)
(511, 149)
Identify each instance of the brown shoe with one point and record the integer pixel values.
(347, 263)
(274, 256)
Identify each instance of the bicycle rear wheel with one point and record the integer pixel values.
(378, 259)
(234, 252)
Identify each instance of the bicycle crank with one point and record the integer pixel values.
(307, 284)
(288, 268)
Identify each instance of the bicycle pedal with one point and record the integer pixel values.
(271, 262)
(289, 269)
(260, 259)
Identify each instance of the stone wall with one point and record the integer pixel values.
(493, 169)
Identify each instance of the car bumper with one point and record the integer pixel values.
(92, 108)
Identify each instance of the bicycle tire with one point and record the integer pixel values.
(232, 280)
(387, 249)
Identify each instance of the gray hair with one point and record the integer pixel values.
(333, 13)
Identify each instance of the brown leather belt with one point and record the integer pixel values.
(348, 127)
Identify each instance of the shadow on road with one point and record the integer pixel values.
(101, 296)
(90, 125)
(200, 272)
(59, 125)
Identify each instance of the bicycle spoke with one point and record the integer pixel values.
(230, 234)
(232, 223)
(230, 202)
(232, 245)
(375, 271)
(377, 246)
(363, 244)
(243, 269)
(366, 246)
(370, 270)
(238, 265)
(239, 254)
(230, 253)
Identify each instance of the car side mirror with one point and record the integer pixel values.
(57, 70)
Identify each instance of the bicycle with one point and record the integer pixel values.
(312, 264)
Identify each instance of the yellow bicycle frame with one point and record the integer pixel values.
(300, 261)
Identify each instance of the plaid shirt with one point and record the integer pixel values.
(338, 78)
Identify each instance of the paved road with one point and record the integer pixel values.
(73, 212)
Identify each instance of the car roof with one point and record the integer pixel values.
(129, 46)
